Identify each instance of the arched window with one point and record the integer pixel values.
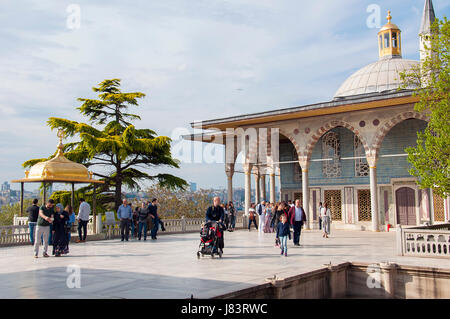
(386, 40)
(394, 40)
(361, 165)
(331, 153)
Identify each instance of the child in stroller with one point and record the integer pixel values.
(211, 240)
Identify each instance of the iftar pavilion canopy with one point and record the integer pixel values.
(58, 170)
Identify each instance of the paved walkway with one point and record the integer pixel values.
(169, 268)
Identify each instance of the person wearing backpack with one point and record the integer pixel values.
(252, 216)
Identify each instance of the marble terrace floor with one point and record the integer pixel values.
(169, 268)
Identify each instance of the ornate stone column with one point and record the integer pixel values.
(257, 189)
(247, 187)
(278, 170)
(447, 209)
(262, 186)
(229, 170)
(304, 164)
(372, 160)
(272, 187)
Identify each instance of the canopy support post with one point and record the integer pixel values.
(72, 197)
(44, 194)
(21, 198)
(94, 206)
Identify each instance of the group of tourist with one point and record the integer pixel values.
(283, 216)
(140, 220)
(229, 216)
(51, 224)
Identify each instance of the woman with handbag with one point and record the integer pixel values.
(252, 216)
(325, 214)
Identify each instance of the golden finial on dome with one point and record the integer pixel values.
(389, 17)
(61, 135)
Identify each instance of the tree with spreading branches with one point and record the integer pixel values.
(430, 159)
(112, 142)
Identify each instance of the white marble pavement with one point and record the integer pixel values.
(169, 268)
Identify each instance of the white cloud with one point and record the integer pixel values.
(194, 59)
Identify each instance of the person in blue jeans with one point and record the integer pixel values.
(70, 222)
(153, 213)
(283, 232)
(33, 213)
(142, 218)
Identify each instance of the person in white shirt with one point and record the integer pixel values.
(261, 211)
(320, 218)
(83, 218)
(325, 215)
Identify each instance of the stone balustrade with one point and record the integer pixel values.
(424, 241)
(172, 226)
(14, 235)
(18, 234)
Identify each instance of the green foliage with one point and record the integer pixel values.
(115, 144)
(175, 204)
(103, 199)
(7, 212)
(430, 159)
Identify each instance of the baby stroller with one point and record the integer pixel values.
(211, 240)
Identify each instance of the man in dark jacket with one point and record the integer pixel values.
(297, 218)
(33, 214)
(153, 212)
(232, 214)
(142, 221)
(216, 213)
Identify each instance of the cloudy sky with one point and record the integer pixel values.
(195, 60)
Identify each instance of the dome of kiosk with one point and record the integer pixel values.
(383, 75)
(59, 169)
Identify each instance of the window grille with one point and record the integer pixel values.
(438, 207)
(300, 197)
(364, 208)
(333, 200)
(361, 165)
(331, 149)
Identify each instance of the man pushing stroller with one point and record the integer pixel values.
(216, 213)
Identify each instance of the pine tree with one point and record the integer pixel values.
(111, 141)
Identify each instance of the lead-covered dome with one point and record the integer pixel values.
(383, 75)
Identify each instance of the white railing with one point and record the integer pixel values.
(424, 241)
(14, 235)
(181, 225)
(20, 221)
(18, 234)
